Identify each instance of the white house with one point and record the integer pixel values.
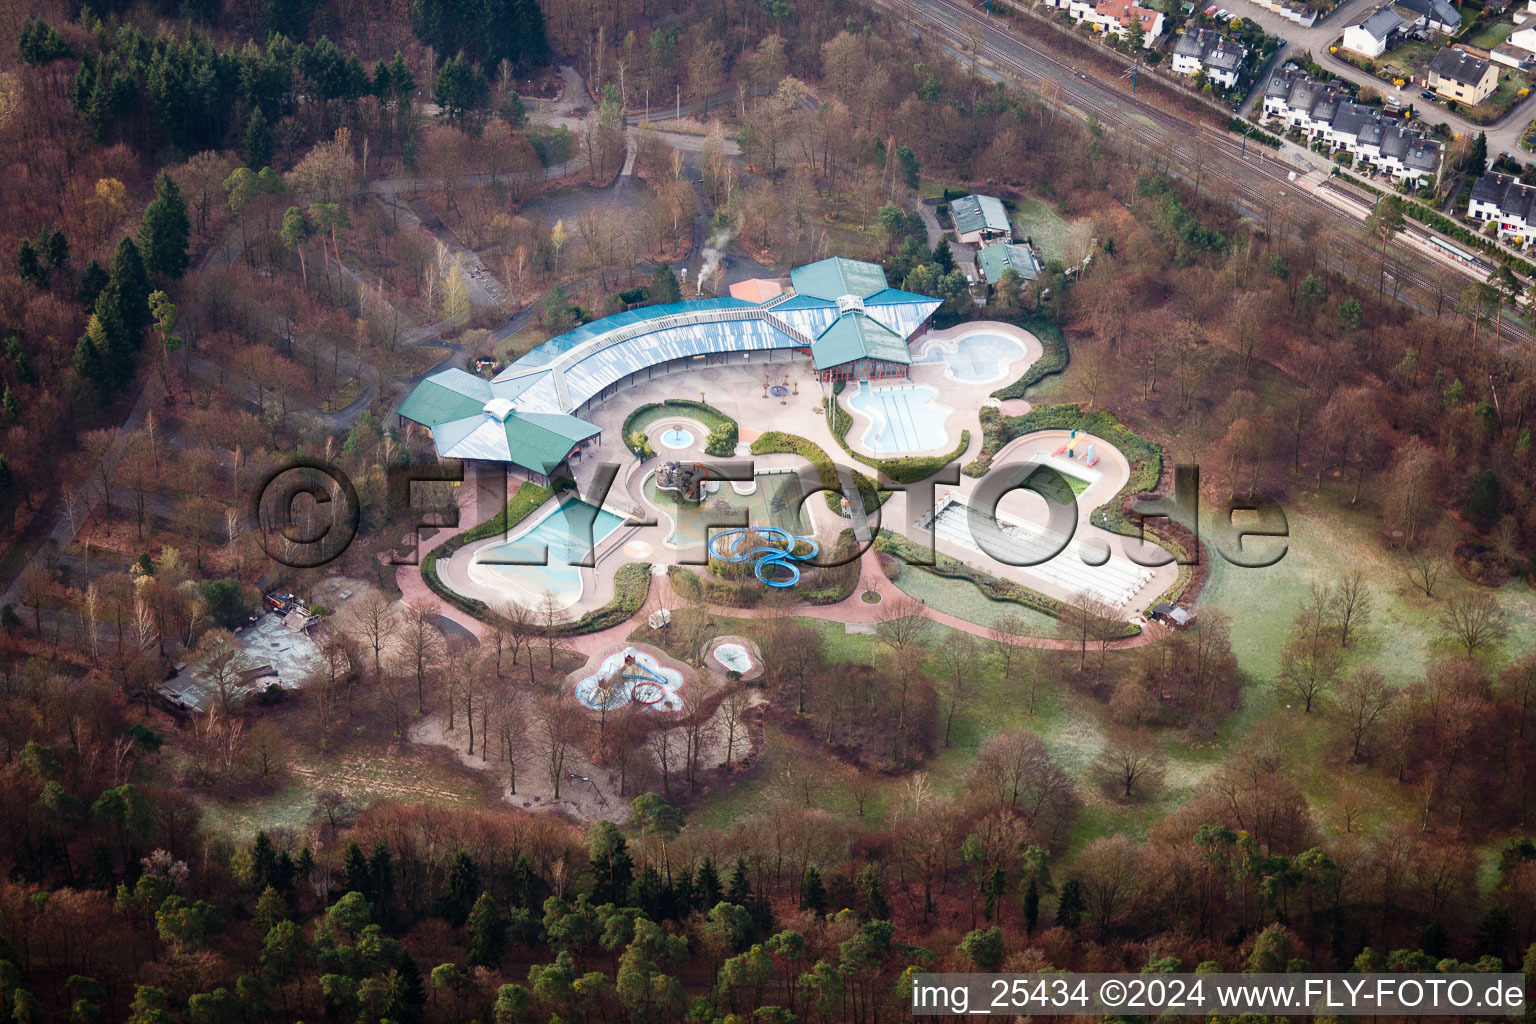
(1502, 199)
(1370, 35)
(1325, 113)
(1205, 50)
(1113, 17)
(1375, 33)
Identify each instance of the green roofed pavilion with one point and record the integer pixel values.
(831, 279)
(855, 336)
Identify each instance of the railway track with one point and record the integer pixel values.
(1259, 183)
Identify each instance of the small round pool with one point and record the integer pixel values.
(734, 657)
(677, 437)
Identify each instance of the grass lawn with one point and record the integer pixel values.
(362, 777)
(1504, 97)
(516, 344)
(1327, 538)
(1056, 237)
(961, 598)
(1489, 36)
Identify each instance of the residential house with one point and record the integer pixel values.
(1117, 16)
(1300, 13)
(1324, 112)
(1503, 200)
(1371, 35)
(998, 257)
(1458, 75)
(980, 219)
(1205, 50)
(1379, 30)
(1434, 15)
(1113, 17)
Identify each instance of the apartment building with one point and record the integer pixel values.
(1324, 112)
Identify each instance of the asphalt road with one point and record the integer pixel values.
(1503, 137)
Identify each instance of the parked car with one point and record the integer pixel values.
(1426, 95)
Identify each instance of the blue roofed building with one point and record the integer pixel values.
(840, 313)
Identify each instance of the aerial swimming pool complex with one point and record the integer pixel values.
(768, 372)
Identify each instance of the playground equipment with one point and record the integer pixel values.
(688, 479)
(784, 556)
(630, 676)
(1091, 458)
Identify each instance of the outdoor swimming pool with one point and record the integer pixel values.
(563, 531)
(1076, 568)
(903, 418)
(976, 358)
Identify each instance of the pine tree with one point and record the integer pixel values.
(128, 286)
(813, 895)
(463, 884)
(165, 231)
(707, 886)
(10, 405)
(739, 891)
(404, 995)
(1031, 907)
(29, 267)
(256, 145)
(664, 287)
(381, 877)
(487, 933)
(876, 906)
(943, 258)
(460, 87)
(1069, 906)
(54, 247)
(18, 358)
(92, 281)
(354, 870)
(263, 859)
(1477, 159)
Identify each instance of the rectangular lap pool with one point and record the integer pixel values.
(903, 418)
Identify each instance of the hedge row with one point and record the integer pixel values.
(1145, 457)
(631, 588)
(529, 496)
(1443, 224)
(1052, 360)
(992, 587)
(777, 442)
(1238, 126)
(723, 432)
(905, 469)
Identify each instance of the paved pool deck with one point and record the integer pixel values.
(738, 390)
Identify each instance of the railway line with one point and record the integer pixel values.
(1260, 183)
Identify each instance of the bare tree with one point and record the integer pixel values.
(1362, 700)
(1129, 765)
(1474, 622)
(560, 728)
(372, 619)
(903, 628)
(960, 654)
(733, 713)
(1424, 569)
(549, 616)
(1351, 607)
(1308, 670)
(664, 748)
(222, 664)
(424, 647)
